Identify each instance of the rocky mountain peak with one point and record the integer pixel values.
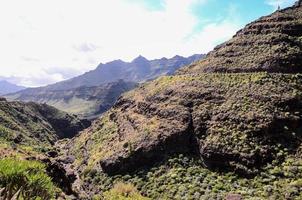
(177, 57)
(140, 59)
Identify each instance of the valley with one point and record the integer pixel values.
(227, 125)
(91, 94)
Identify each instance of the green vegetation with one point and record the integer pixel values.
(27, 180)
(27, 127)
(183, 177)
(250, 121)
(85, 101)
(195, 135)
(122, 191)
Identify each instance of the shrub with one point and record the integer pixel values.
(27, 178)
(122, 191)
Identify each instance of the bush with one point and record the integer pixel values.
(122, 191)
(28, 179)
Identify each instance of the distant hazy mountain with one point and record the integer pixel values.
(7, 87)
(94, 92)
(87, 102)
(139, 70)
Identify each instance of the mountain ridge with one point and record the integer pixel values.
(112, 79)
(86, 102)
(7, 87)
(124, 70)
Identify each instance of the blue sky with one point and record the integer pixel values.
(209, 11)
(43, 42)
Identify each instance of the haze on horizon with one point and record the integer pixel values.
(43, 42)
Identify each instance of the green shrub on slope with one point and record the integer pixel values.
(122, 191)
(27, 178)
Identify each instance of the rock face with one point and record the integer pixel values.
(36, 124)
(233, 121)
(271, 44)
(86, 102)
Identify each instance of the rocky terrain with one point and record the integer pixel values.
(205, 133)
(86, 102)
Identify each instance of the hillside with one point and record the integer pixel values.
(28, 132)
(86, 102)
(6, 87)
(203, 135)
(36, 125)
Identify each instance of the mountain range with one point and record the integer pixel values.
(7, 87)
(226, 127)
(94, 92)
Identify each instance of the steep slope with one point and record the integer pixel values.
(200, 135)
(86, 102)
(28, 132)
(231, 120)
(6, 87)
(36, 124)
(272, 44)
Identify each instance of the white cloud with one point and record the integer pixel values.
(281, 3)
(41, 41)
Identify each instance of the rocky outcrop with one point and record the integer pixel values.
(62, 178)
(272, 44)
(237, 122)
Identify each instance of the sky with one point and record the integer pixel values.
(46, 41)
